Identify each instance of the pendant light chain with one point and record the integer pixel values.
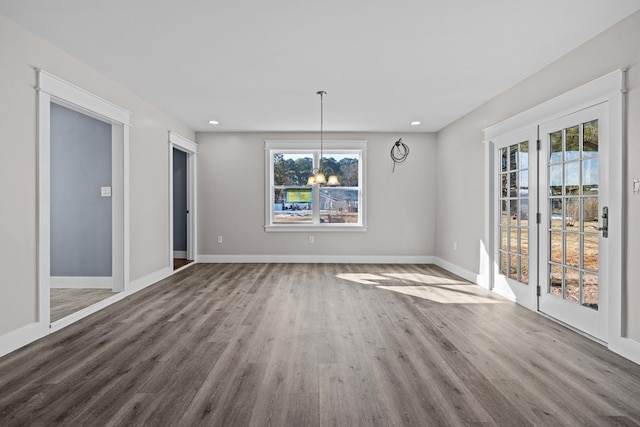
(321, 93)
(318, 177)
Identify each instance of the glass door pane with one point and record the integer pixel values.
(572, 169)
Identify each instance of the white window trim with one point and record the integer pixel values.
(333, 146)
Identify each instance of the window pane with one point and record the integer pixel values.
(555, 280)
(590, 242)
(590, 177)
(503, 159)
(292, 169)
(504, 235)
(338, 206)
(557, 214)
(524, 155)
(572, 143)
(513, 184)
(590, 290)
(503, 263)
(572, 284)
(524, 183)
(513, 157)
(524, 241)
(590, 214)
(590, 143)
(555, 180)
(556, 248)
(345, 166)
(556, 147)
(524, 270)
(504, 185)
(513, 267)
(292, 205)
(572, 249)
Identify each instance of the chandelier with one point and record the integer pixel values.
(318, 176)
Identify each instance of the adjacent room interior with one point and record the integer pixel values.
(327, 213)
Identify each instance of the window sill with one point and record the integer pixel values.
(286, 228)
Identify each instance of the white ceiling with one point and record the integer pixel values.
(256, 65)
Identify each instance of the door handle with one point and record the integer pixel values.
(605, 222)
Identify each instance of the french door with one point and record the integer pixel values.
(550, 218)
(514, 182)
(574, 220)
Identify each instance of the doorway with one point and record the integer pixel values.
(83, 251)
(555, 220)
(81, 211)
(182, 197)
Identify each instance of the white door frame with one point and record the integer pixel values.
(191, 148)
(610, 89)
(54, 89)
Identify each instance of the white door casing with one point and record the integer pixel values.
(54, 89)
(191, 148)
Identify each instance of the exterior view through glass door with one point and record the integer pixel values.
(572, 247)
(513, 179)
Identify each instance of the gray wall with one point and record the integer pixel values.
(461, 152)
(179, 200)
(81, 224)
(400, 206)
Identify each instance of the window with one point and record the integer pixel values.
(292, 205)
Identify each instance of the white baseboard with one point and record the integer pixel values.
(459, 271)
(180, 254)
(627, 348)
(81, 282)
(148, 280)
(320, 259)
(20, 337)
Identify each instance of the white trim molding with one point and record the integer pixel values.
(81, 282)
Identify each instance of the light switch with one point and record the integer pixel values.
(636, 186)
(105, 191)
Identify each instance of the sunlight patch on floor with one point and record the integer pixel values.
(452, 294)
(362, 278)
(427, 279)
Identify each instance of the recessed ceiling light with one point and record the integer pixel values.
(213, 122)
(416, 123)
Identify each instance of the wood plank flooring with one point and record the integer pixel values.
(317, 345)
(65, 301)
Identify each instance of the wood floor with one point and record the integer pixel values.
(65, 301)
(180, 262)
(316, 344)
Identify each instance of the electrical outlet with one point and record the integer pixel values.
(312, 239)
(220, 239)
(105, 191)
